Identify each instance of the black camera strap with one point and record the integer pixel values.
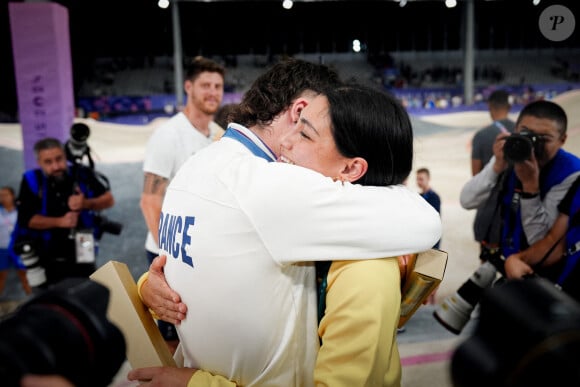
(489, 217)
(81, 173)
(541, 261)
(514, 206)
(103, 179)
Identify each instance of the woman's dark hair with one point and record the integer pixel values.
(372, 124)
(273, 91)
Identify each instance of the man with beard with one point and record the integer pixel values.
(172, 143)
(57, 205)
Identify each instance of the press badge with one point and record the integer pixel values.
(85, 246)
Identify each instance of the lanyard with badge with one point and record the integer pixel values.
(84, 246)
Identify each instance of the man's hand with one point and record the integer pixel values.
(528, 172)
(516, 268)
(161, 376)
(69, 220)
(76, 201)
(159, 297)
(44, 381)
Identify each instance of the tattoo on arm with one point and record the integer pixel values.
(154, 184)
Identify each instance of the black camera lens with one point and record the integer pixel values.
(76, 147)
(518, 147)
(63, 331)
(80, 132)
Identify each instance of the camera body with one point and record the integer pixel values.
(62, 331)
(518, 147)
(104, 224)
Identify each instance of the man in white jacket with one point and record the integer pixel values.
(236, 227)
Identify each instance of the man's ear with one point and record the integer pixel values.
(564, 138)
(296, 108)
(354, 169)
(186, 86)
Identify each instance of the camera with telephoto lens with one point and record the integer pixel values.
(518, 147)
(104, 224)
(455, 311)
(62, 331)
(35, 273)
(76, 148)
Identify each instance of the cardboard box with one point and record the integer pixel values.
(145, 345)
(424, 272)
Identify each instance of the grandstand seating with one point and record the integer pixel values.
(535, 64)
(431, 79)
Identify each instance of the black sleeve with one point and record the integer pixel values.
(437, 203)
(29, 203)
(566, 203)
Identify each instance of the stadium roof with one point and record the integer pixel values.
(139, 28)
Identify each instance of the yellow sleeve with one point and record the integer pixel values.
(359, 328)
(205, 379)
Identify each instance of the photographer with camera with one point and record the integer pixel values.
(521, 188)
(538, 173)
(58, 208)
